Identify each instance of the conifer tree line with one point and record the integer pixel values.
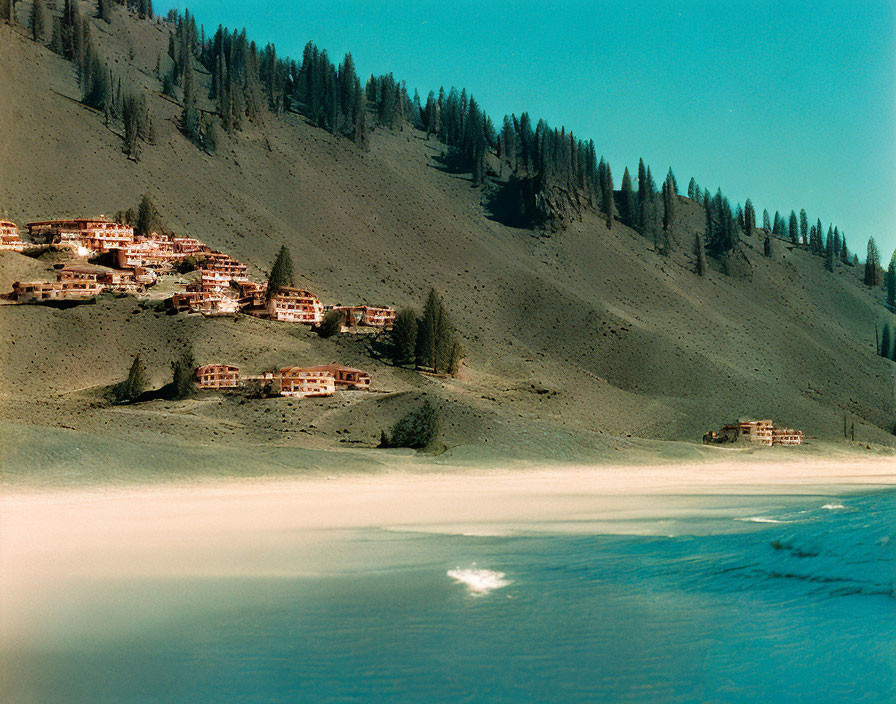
(548, 164)
(248, 82)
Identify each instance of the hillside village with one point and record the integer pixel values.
(588, 332)
(134, 264)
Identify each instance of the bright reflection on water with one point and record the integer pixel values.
(802, 609)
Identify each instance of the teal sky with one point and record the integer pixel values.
(792, 104)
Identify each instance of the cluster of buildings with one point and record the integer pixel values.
(758, 432)
(289, 381)
(223, 286)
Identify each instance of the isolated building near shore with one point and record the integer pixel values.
(9, 237)
(757, 432)
(218, 376)
(346, 376)
(787, 436)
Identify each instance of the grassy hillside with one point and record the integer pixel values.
(582, 339)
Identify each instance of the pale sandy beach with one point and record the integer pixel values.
(231, 526)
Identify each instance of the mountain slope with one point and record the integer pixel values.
(585, 335)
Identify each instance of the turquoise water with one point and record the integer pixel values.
(798, 610)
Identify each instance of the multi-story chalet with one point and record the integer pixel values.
(27, 291)
(370, 316)
(82, 281)
(252, 295)
(9, 237)
(109, 279)
(148, 253)
(226, 265)
(297, 381)
(218, 376)
(209, 303)
(189, 246)
(212, 280)
(94, 234)
(295, 305)
(346, 376)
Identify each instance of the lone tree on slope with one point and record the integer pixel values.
(437, 346)
(133, 387)
(281, 272)
(183, 371)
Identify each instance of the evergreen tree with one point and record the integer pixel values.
(190, 115)
(793, 228)
(38, 20)
(749, 217)
(804, 227)
(766, 221)
(700, 254)
(767, 246)
(417, 429)
(96, 86)
(692, 189)
(133, 115)
(707, 212)
(885, 342)
(872, 264)
(608, 197)
(436, 344)
(643, 196)
(281, 275)
(844, 250)
(148, 218)
(627, 200)
(331, 324)
(668, 202)
(134, 386)
(183, 376)
(818, 247)
(829, 251)
(403, 336)
(890, 279)
(6, 10)
(670, 179)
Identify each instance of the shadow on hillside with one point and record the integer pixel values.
(452, 163)
(506, 205)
